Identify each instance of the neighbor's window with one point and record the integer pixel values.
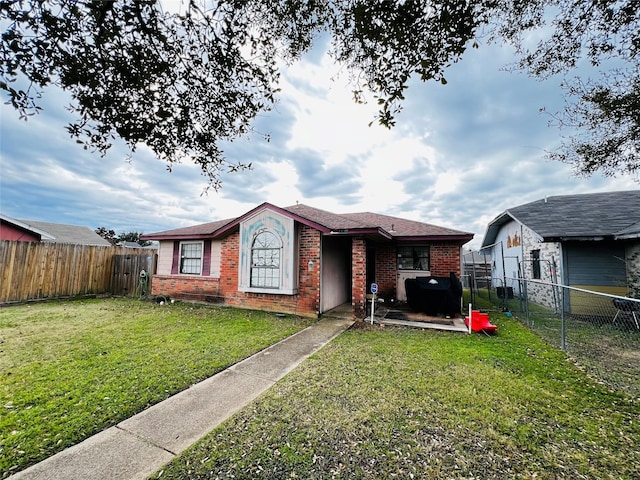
(191, 258)
(265, 261)
(535, 263)
(413, 258)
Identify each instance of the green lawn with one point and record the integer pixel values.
(400, 403)
(71, 369)
(608, 352)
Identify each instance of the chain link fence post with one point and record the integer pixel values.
(563, 330)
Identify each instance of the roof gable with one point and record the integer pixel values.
(283, 211)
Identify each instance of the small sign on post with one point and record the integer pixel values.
(374, 290)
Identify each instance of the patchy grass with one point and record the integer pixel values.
(400, 403)
(71, 369)
(609, 352)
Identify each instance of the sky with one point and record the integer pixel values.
(459, 155)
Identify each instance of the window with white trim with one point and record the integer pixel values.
(191, 258)
(265, 261)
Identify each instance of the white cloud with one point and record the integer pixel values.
(459, 155)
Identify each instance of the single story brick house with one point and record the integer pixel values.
(301, 259)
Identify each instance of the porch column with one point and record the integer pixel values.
(358, 277)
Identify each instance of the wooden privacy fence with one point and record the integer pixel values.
(32, 270)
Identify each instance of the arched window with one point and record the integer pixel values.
(265, 260)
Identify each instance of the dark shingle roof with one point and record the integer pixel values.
(350, 223)
(332, 221)
(401, 227)
(395, 226)
(591, 216)
(202, 229)
(632, 231)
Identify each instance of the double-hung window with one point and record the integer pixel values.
(191, 258)
(265, 261)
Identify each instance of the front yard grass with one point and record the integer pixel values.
(71, 369)
(607, 351)
(400, 403)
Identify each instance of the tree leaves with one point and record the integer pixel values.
(182, 83)
(601, 112)
(179, 84)
(607, 122)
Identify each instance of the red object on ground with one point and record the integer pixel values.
(480, 322)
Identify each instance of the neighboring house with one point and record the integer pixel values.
(19, 231)
(301, 259)
(591, 241)
(129, 245)
(33, 231)
(151, 246)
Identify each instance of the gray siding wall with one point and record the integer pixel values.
(595, 263)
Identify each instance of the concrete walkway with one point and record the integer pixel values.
(143, 444)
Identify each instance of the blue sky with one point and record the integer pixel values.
(459, 155)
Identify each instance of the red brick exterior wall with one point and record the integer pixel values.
(445, 258)
(358, 276)
(309, 287)
(386, 271)
(229, 260)
(305, 303)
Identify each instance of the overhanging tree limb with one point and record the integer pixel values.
(182, 83)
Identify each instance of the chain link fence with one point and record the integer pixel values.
(599, 332)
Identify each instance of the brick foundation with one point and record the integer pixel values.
(187, 287)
